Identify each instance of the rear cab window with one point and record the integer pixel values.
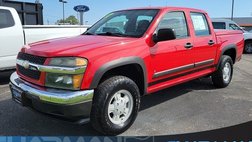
(200, 24)
(6, 19)
(175, 20)
(219, 25)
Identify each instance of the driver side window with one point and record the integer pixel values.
(175, 21)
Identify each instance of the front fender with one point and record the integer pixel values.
(117, 63)
(247, 36)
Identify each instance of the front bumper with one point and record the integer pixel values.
(63, 103)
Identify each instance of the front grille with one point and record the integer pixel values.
(29, 73)
(31, 58)
(34, 74)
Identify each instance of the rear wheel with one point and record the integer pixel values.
(248, 47)
(115, 105)
(223, 76)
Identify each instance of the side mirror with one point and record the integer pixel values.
(164, 34)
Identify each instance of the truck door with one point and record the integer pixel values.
(172, 57)
(204, 49)
(11, 37)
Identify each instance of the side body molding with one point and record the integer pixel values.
(117, 63)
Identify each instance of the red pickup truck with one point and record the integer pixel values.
(102, 74)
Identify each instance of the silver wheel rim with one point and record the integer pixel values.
(226, 72)
(248, 47)
(120, 107)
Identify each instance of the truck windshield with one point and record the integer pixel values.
(127, 23)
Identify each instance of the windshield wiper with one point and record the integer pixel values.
(112, 34)
(87, 33)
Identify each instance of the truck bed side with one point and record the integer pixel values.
(37, 33)
(228, 39)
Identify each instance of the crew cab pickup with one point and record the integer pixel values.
(102, 74)
(13, 35)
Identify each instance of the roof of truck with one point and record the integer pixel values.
(242, 21)
(168, 8)
(221, 20)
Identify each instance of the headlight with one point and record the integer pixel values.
(68, 62)
(66, 80)
(63, 81)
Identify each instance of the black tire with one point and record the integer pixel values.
(103, 94)
(248, 47)
(218, 78)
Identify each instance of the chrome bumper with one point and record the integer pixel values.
(50, 95)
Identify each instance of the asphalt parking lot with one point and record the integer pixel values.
(191, 107)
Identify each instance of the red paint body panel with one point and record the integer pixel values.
(158, 57)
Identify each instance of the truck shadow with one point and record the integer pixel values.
(21, 121)
(176, 91)
(17, 120)
(5, 76)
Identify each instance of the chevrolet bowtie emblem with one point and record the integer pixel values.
(26, 64)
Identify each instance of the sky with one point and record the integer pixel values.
(53, 9)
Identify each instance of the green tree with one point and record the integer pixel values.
(72, 20)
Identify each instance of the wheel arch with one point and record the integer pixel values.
(230, 50)
(120, 63)
(247, 40)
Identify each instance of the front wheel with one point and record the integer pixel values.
(223, 76)
(115, 105)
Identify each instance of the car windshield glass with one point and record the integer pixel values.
(127, 23)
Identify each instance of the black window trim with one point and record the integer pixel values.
(210, 32)
(187, 26)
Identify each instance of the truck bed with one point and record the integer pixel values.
(227, 37)
(35, 33)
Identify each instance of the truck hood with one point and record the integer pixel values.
(74, 46)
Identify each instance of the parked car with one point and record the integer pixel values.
(231, 25)
(13, 35)
(102, 74)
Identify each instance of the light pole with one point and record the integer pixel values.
(63, 2)
(232, 16)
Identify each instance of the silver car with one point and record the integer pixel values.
(231, 25)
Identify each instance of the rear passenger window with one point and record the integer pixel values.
(200, 24)
(175, 21)
(6, 19)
